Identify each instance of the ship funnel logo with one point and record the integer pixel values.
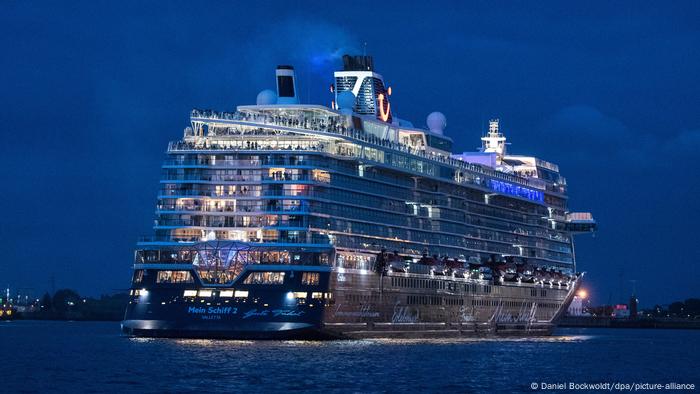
(383, 114)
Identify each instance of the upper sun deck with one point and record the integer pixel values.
(211, 129)
(321, 118)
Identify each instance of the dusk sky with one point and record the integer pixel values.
(91, 93)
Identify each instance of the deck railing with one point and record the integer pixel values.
(332, 124)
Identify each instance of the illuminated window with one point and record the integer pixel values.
(190, 293)
(241, 294)
(329, 296)
(300, 294)
(174, 277)
(265, 278)
(316, 295)
(321, 176)
(295, 190)
(226, 293)
(205, 293)
(310, 278)
(278, 174)
(138, 276)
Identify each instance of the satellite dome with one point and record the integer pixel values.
(436, 122)
(346, 100)
(266, 97)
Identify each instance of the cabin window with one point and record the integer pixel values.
(310, 278)
(321, 176)
(265, 278)
(138, 277)
(174, 277)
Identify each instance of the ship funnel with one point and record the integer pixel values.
(286, 85)
(371, 96)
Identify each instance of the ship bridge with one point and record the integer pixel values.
(580, 222)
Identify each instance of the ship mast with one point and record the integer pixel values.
(494, 141)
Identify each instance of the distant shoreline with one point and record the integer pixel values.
(608, 322)
(41, 318)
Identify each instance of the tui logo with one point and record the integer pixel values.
(384, 114)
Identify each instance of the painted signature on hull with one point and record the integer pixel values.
(465, 316)
(524, 315)
(365, 311)
(272, 313)
(402, 314)
(216, 312)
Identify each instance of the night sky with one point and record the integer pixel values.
(91, 93)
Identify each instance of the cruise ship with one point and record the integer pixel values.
(283, 220)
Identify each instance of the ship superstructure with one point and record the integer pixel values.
(294, 220)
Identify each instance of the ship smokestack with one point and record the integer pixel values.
(358, 63)
(371, 96)
(286, 85)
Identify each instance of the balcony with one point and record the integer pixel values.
(205, 163)
(331, 123)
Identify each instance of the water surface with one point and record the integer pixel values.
(41, 356)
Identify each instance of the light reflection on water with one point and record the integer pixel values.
(94, 357)
(452, 341)
(203, 343)
(355, 343)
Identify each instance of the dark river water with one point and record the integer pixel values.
(39, 356)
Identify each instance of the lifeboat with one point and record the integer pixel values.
(461, 273)
(498, 269)
(398, 266)
(527, 275)
(440, 270)
(511, 273)
(397, 263)
(474, 270)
